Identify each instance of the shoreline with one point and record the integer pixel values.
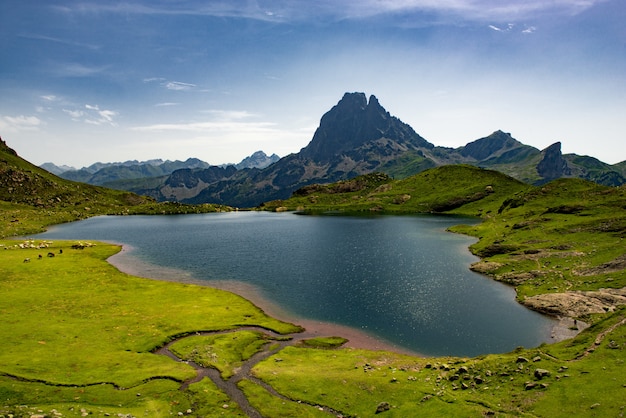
(312, 328)
(562, 329)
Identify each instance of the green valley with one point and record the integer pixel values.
(80, 338)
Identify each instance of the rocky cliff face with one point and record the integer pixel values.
(553, 165)
(353, 123)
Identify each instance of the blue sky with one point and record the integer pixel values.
(88, 81)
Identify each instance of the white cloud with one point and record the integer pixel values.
(179, 86)
(50, 98)
(74, 114)
(93, 115)
(165, 104)
(19, 123)
(99, 116)
(153, 79)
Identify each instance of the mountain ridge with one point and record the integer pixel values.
(359, 136)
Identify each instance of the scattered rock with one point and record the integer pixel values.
(541, 373)
(382, 407)
(521, 359)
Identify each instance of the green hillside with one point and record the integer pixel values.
(457, 189)
(32, 198)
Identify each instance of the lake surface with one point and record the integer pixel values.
(401, 278)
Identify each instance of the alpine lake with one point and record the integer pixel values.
(402, 279)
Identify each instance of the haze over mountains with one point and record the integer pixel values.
(357, 136)
(110, 174)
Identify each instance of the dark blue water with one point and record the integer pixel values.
(402, 278)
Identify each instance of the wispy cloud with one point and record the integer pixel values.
(93, 115)
(97, 116)
(220, 121)
(165, 104)
(74, 114)
(230, 115)
(305, 9)
(169, 84)
(19, 123)
(512, 27)
(50, 98)
(179, 86)
(243, 127)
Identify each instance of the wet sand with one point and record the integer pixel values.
(128, 264)
(563, 327)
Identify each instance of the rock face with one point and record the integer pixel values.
(354, 122)
(553, 165)
(355, 137)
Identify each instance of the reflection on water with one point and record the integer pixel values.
(402, 278)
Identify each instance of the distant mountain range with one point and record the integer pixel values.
(116, 175)
(358, 136)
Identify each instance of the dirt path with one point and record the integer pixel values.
(229, 386)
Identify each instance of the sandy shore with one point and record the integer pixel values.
(563, 329)
(128, 264)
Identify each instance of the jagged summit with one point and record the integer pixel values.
(553, 165)
(353, 122)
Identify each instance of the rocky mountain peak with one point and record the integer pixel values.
(552, 164)
(355, 121)
(493, 144)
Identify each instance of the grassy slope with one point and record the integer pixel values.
(556, 238)
(74, 320)
(452, 189)
(32, 198)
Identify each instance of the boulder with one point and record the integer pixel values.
(541, 373)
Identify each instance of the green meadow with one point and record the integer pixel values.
(80, 338)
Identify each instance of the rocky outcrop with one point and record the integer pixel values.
(577, 304)
(553, 165)
(5, 148)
